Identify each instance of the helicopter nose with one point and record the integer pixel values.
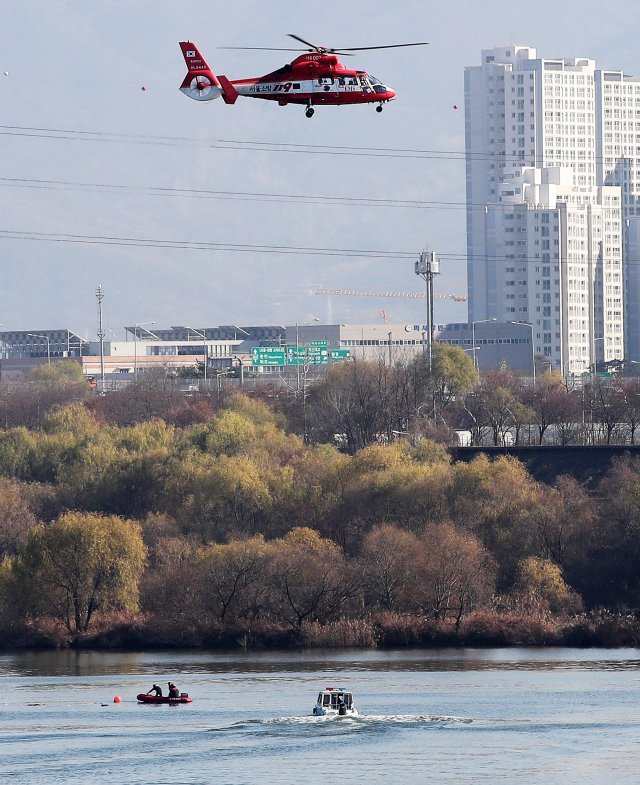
(391, 92)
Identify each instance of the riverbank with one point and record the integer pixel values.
(384, 630)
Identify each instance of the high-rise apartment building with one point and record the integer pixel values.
(553, 180)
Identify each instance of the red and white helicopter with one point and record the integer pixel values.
(314, 78)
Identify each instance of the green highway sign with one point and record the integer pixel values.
(317, 353)
(297, 355)
(339, 354)
(268, 355)
(312, 355)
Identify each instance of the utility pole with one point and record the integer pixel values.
(99, 297)
(426, 267)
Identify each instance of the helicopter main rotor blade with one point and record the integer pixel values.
(264, 48)
(344, 49)
(275, 49)
(302, 41)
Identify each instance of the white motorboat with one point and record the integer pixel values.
(335, 701)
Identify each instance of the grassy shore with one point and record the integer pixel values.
(384, 630)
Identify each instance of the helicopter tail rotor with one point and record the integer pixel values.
(200, 83)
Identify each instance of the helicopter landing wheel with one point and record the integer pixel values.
(309, 111)
(379, 108)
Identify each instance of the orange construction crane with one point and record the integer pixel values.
(389, 318)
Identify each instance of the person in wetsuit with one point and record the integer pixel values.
(157, 691)
(174, 692)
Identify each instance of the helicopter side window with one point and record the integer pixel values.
(325, 80)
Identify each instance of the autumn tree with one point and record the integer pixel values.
(475, 416)
(354, 403)
(390, 483)
(454, 573)
(25, 403)
(312, 578)
(169, 586)
(16, 518)
(388, 561)
(452, 374)
(630, 395)
(155, 394)
(606, 405)
(429, 388)
(17, 449)
(495, 501)
(540, 587)
(612, 562)
(317, 495)
(567, 526)
(499, 405)
(59, 372)
(81, 564)
(233, 577)
(550, 403)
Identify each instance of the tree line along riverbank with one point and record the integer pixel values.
(140, 522)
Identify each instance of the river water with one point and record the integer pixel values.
(474, 716)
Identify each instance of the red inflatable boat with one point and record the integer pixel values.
(144, 698)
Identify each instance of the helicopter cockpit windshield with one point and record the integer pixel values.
(377, 85)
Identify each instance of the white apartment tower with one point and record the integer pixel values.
(545, 206)
(618, 163)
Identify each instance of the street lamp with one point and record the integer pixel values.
(46, 338)
(473, 336)
(533, 351)
(206, 351)
(135, 347)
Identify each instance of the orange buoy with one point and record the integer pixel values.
(117, 699)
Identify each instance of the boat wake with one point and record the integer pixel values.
(347, 724)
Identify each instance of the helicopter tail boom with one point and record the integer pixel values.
(200, 83)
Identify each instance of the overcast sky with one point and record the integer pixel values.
(121, 161)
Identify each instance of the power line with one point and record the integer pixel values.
(256, 145)
(224, 144)
(315, 199)
(9, 234)
(190, 245)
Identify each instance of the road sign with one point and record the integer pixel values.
(318, 354)
(296, 355)
(268, 355)
(303, 355)
(339, 354)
